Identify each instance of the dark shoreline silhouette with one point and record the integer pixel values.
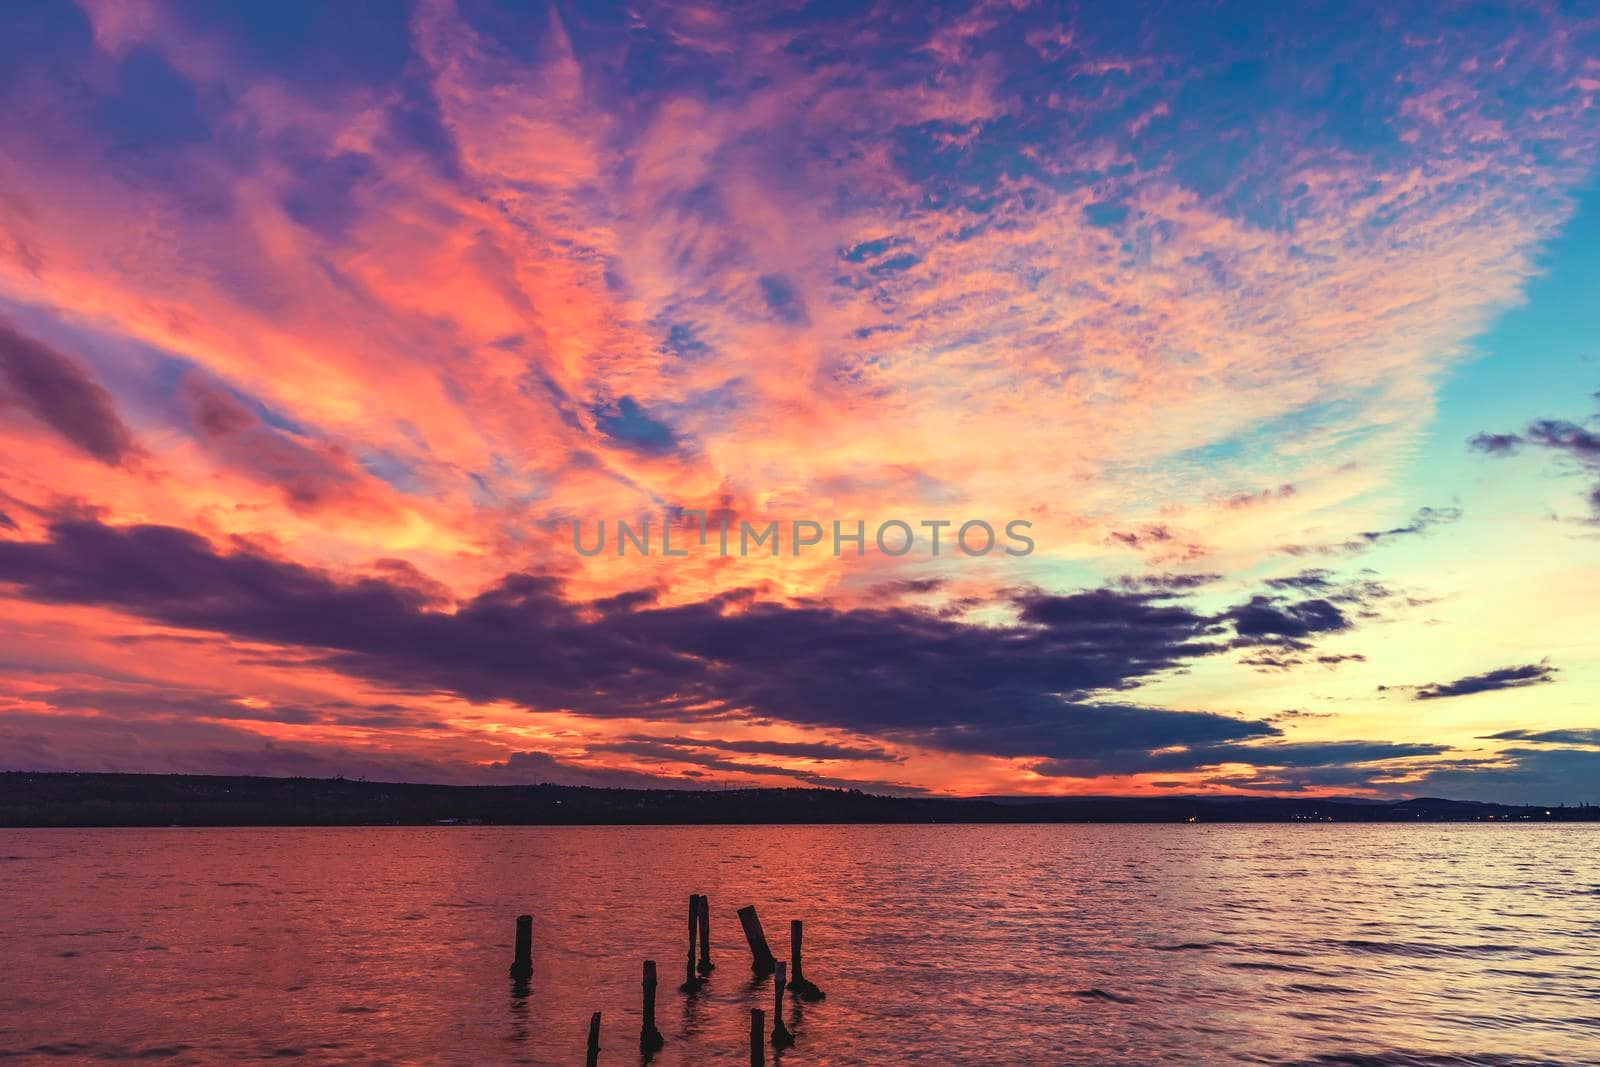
(68, 799)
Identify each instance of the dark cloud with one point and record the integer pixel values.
(1425, 520)
(1160, 541)
(7, 522)
(309, 474)
(177, 733)
(1270, 619)
(1325, 583)
(1575, 443)
(67, 741)
(816, 750)
(1025, 689)
(1101, 735)
(904, 587)
(1277, 627)
(1274, 660)
(1356, 777)
(1582, 736)
(57, 391)
(1037, 687)
(668, 751)
(1146, 535)
(631, 600)
(1168, 583)
(1519, 775)
(1345, 755)
(1315, 579)
(1320, 753)
(1566, 437)
(1495, 444)
(1290, 714)
(135, 701)
(1501, 678)
(541, 768)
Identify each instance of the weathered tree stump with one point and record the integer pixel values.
(705, 965)
(522, 962)
(761, 958)
(758, 1045)
(692, 982)
(593, 1059)
(781, 1037)
(799, 984)
(650, 1039)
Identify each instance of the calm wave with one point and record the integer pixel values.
(936, 945)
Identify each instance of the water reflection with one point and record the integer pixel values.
(520, 1012)
(937, 945)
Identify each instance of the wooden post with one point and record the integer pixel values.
(692, 981)
(522, 963)
(594, 1041)
(803, 987)
(781, 1037)
(761, 958)
(650, 1039)
(706, 966)
(758, 1045)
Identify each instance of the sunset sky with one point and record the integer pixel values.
(321, 324)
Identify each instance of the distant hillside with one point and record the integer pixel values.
(28, 799)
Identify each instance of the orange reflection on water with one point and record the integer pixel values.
(936, 944)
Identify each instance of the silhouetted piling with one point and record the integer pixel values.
(705, 966)
(761, 958)
(781, 1037)
(758, 1046)
(801, 986)
(692, 981)
(594, 1041)
(650, 1038)
(522, 963)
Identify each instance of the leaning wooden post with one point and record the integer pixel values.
(758, 1047)
(706, 966)
(691, 981)
(761, 958)
(522, 963)
(650, 1039)
(803, 987)
(594, 1041)
(781, 1037)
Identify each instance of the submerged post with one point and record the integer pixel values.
(522, 962)
(692, 981)
(706, 966)
(650, 1039)
(758, 1048)
(803, 987)
(761, 958)
(594, 1041)
(781, 1037)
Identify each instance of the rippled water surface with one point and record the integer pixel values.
(935, 944)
